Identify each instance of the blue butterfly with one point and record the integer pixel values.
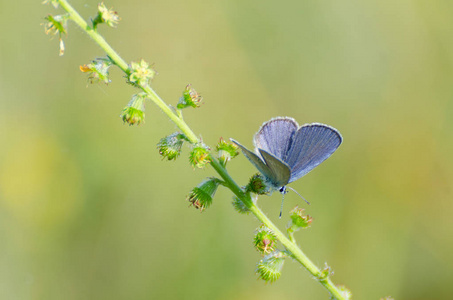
(285, 152)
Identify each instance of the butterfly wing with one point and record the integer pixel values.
(280, 170)
(275, 170)
(255, 160)
(275, 136)
(311, 145)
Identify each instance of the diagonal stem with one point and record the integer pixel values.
(291, 246)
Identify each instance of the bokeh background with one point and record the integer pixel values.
(88, 210)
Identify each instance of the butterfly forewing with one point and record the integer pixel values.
(311, 145)
(275, 136)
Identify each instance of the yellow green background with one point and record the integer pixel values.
(88, 210)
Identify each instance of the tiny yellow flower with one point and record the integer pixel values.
(141, 73)
(107, 16)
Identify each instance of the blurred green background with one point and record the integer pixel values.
(88, 210)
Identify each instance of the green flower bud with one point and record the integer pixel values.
(134, 112)
(270, 267)
(199, 156)
(298, 220)
(190, 98)
(98, 70)
(325, 273)
(265, 240)
(107, 16)
(141, 73)
(240, 206)
(170, 146)
(348, 295)
(257, 185)
(226, 151)
(201, 196)
(56, 25)
(53, 2)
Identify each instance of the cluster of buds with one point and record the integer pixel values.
(190, 98)
(107, 16)
(98, 70)
(134, 112)
(170, 146)
(265, 240)
(201, 196)
(270, 267)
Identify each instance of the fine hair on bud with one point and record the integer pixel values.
(270, 267)
(257, 185)
(240, 206)
(170, 146)
(202, 195)
(199, 156)
(226, 151)
(265, 240)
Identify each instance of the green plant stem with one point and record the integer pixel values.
(291, 236)
(292, 247)
(74, 15)
(94, 35)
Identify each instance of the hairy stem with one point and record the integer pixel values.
(290, 245)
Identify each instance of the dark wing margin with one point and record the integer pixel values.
(312, 144)
(281, 171)
(275, 136)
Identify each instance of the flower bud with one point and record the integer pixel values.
(56, 25)
(98, 70)
(201, 196)
(257, 185)
(141, 73)
(346, 293)
(199, 156)
(170, 146)
(265, 240)
(325, 273)
(134, 112)
(190, 98)
(107, 16)
(240, 206)
(53, 2)
(298, 220)
(270, 267)
(226, 151)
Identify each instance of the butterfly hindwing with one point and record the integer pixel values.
(311, 145)
(280, 170)
(255, 160)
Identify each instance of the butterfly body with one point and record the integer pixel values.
(285, 151)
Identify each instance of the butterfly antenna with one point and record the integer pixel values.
(297, 194)
(281, 207)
